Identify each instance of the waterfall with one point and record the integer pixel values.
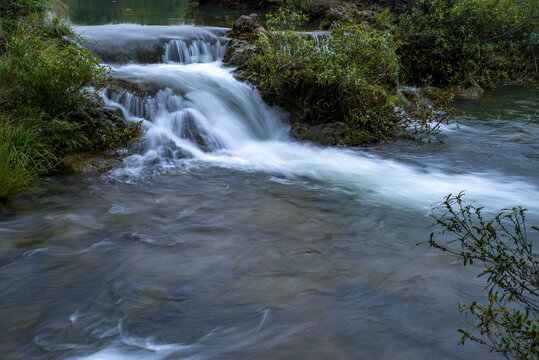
(197, 51)
(201, 112)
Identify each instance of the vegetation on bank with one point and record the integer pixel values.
(49, 106)
(508, 321)
(343, 77)
(349, 75)
(453, 42)
(356, 72)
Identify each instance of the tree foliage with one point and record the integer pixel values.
(455, 41)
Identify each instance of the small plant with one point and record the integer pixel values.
(509, 321)
(56, 26)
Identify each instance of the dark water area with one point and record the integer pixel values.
(220, 238)
(150, 12)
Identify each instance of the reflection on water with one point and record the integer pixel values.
(149, 12)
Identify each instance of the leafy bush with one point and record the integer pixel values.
(455, 41)
(23, 156)
(20, 8)
(48, 95)
(509, 322)
(344, 77)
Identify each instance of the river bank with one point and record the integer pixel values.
(50, 105)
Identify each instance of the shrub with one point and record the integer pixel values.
(45, 74)
(48, 92)
(509, 322)
(455, 41)
(344, 77)
(20, 8)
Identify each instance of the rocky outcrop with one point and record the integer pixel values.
(246, 29)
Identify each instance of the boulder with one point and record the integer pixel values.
(324, 134)
(91, 163)
(247, 26)
(246, 29)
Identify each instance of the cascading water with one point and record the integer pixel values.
(202, 112)
(196, 51)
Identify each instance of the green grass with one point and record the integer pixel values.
(23, 157)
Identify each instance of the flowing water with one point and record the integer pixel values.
(220, 238)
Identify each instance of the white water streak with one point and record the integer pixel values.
(206, 115)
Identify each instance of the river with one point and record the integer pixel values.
(220, 238)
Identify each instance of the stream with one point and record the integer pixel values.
(220, 238)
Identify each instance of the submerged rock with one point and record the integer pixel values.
(473, 92)
(91, 163)
(143, 52)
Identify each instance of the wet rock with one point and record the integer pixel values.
(247, 26)
(109, 117)
(246, 30)
(239, 52)
(91, 163)
(412, 95)
(133, 86)
(324, 134)
(143, 52)
(473, 92)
